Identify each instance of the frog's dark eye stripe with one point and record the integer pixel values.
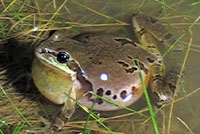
(62, 57)
(46, 50)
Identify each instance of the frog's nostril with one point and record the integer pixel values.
(44, 50)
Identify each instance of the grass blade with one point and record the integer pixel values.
(21, 114)
(148, 99)
(18, 128)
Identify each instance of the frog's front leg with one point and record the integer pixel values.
(163, 86)
(63, 116)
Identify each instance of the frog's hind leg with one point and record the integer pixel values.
(163, 86)
(143, 23)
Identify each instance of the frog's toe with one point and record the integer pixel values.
(48, 129)
(171, 80)
(51, 128)
(164, 97)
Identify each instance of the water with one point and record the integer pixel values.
(177, 16)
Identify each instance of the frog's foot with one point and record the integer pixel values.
(65, 115)
(46, 129)
(61, 119)
(170, 87)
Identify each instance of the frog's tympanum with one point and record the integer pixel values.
(80, 68)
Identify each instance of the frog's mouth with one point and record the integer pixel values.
(49, 58)
(86, 85)
(85, 88)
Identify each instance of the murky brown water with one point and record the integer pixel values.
(177, 18)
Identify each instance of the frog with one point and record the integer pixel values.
(91, 66)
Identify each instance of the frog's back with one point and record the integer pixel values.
(110, 67)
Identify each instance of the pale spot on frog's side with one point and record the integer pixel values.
(102, 64)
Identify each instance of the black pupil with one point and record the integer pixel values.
(62, 57)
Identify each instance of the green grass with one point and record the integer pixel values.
(148, 99)
(91, 114)
(195, 3)
(165, 5)
(18, 18)
(188, 128)
(173, 45)
(2, 123)
(118, 105)
(3, 29)
(17, 110)
(18, 128)
(195, 50)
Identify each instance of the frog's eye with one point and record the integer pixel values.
(62, 57)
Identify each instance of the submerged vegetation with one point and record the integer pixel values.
(25, 23)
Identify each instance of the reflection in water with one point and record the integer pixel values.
(109, 15)
(104, 76)
(128, 97)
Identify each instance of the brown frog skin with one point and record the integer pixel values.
(65, 70)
